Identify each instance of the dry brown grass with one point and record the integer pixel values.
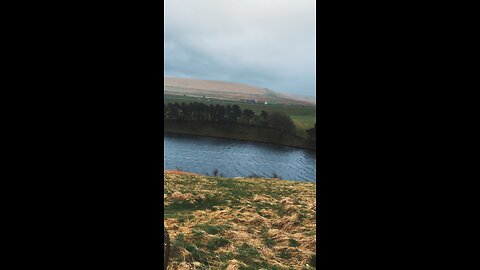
(219, 223)
(213, 86)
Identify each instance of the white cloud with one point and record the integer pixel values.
(260, 42)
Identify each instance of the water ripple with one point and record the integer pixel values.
(237, 159)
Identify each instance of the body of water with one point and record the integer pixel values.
(237, 158)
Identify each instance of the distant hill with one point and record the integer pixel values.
(228, 90)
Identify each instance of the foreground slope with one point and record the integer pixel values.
(221, 223)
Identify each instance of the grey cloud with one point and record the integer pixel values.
(267, 43)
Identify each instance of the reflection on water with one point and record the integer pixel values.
(237, 158)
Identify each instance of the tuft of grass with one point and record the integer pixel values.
(293, 243)
(196, 254)
(267, 240)
(313, 260)
(248, 254)
(186, 206)
(211, 229)
(217, 242)
(234, 188)
(285, 254)
(280, 209)
(198, 234)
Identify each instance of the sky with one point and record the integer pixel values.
(265, 43)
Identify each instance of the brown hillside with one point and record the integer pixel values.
(226, 90)
(214, 86)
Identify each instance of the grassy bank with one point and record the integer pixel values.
(238, 132)
(221, 223)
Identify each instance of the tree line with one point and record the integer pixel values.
(227, 114)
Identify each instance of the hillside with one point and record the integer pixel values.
(227, 90)
(242, 223)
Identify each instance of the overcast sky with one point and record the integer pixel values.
(266, 43)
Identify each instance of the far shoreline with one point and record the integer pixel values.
(247, 134)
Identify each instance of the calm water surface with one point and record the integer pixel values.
(237, 158)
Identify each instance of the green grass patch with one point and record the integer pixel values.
(212, 229)
(313, 260)
(175, 209)
(198, 234)
(217, 242)
(285, 254)
(248, 254)
(235, 189)
(293, 243)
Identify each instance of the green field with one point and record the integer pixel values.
(304, 117)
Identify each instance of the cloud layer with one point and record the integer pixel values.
(266, 43)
